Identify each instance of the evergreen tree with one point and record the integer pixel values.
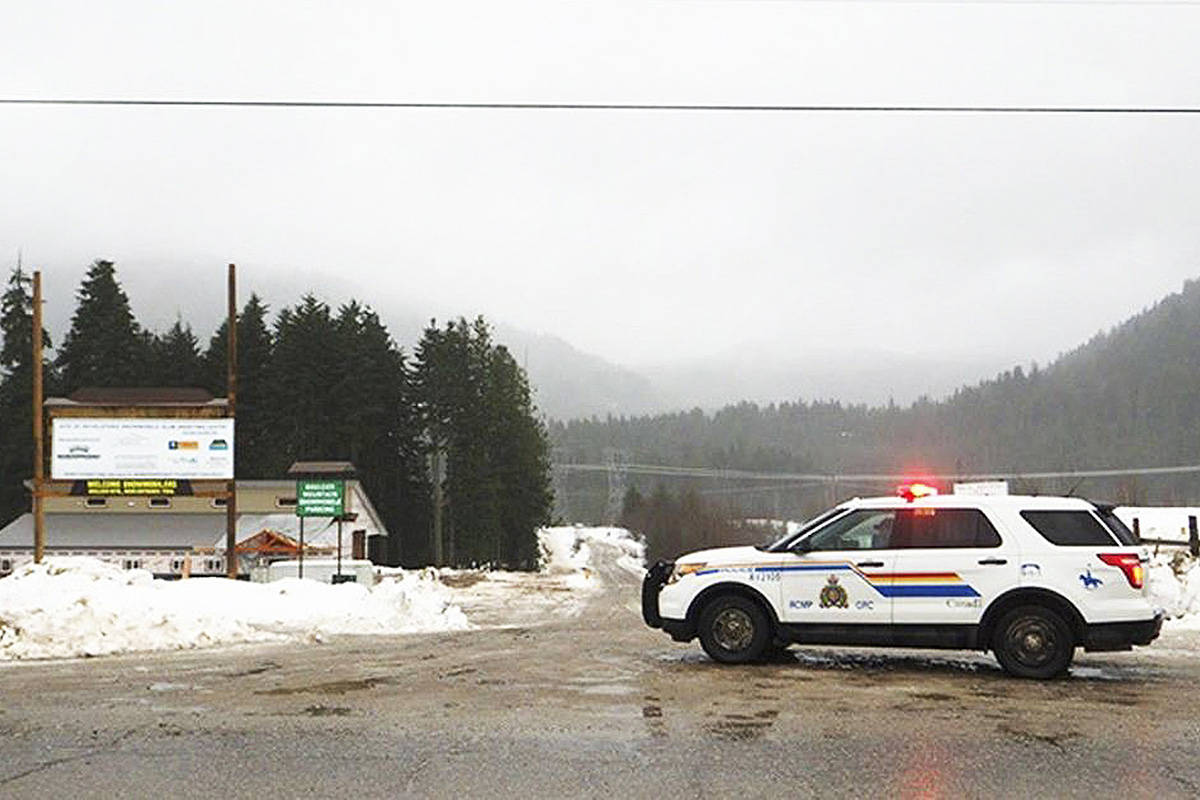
(16, 393)
(255, 399)
(104, 346)
(176, 358)
(306, 364)
(477, 410)
(520, 457)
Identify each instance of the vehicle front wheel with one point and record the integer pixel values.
(734, 629)
(1033, 642)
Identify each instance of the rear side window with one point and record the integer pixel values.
(1114, 523)
(944, 527)
(1069, 528)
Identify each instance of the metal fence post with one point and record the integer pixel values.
(1193, 536)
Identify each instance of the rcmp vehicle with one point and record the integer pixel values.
(1028, 578)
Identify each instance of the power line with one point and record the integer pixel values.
(797, 477)
(836, 108)
(1183, 3)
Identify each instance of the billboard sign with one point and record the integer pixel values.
(133, 488)
(146, 449)
(320, 498)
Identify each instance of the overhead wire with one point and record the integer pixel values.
(842, 108)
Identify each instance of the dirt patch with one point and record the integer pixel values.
(462, 580)
(333, 687)
(327, 711)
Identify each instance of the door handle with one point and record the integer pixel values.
(993, 561)
(869, 564)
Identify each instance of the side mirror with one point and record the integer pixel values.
(802, 546)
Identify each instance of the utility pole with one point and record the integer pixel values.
(39, 511)
(437, 467)
(231, 565)
(616, 459)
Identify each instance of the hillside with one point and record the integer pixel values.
(1126, 397)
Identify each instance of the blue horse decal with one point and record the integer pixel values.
(1089, 581)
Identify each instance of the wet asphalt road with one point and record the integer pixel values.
(594, 706)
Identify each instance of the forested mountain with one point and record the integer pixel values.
(1128, 397)
(319, 384)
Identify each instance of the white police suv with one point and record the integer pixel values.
(1029, 578)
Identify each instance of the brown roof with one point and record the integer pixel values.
(322, 468)
(141, 396)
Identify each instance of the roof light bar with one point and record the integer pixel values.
(912, 491)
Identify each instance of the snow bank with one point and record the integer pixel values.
(1174, 582)
(583, 553)
(69, 607)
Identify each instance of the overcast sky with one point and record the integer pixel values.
(641, 237)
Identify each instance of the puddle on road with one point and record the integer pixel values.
(900, 662)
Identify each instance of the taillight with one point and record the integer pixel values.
(1130, 564)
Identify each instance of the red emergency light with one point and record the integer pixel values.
(912, 491)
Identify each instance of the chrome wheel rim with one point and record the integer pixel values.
(733, 629)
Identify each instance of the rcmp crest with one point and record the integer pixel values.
(833, 594)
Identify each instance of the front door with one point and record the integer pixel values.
(831, 578)
(951, 564)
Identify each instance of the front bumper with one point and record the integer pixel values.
(656, 578)
(681, 630)
(1102, 636)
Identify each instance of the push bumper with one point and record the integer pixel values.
(1104, 636)
(656, 578)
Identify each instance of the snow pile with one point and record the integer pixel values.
(583, 552)
(68, 607)
(1174, 582)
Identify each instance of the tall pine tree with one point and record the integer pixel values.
(176, 357)
(16, 393)
(255, 406)
(104, 346)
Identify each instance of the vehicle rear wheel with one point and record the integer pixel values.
(1033, 642)
(734, 629)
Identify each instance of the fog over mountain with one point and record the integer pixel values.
(568, 382)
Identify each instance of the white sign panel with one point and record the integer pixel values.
(85, 449)
(982, 488)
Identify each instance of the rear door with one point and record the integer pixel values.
(831, 579)
(951, 563)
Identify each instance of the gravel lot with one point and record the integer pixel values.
(594, 704)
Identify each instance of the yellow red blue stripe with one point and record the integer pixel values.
(887, 584)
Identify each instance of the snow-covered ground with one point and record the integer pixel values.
(575, 563)
(1174, 582)
(72, 607)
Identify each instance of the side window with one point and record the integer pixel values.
(1119, 529)
(865, 529)
(1069, 528)
(944, 527)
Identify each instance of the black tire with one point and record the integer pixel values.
(734, 629)
(1033, 642)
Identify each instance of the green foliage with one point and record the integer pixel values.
(16, 389)
(673, 524)
(1126, 398)
(254, 402)
(477, 410)
(320, 385)
(105, 345)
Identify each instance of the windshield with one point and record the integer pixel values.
(788, 539)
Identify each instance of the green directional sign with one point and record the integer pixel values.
(320, 498)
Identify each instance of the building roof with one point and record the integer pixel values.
(323, 468)
(117, 531)
(138, 396)
(160, 530)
